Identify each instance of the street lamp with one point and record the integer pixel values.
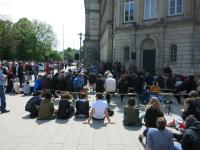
(80, 34)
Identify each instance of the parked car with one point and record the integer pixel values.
(41, 67)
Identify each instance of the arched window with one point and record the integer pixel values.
(173, 52)
(129, 10)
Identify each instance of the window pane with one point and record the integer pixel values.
(131, 11)
(153, 8)
(126, 12)
(147, 9)
(172, 7)
(126, 53)
(179, 6)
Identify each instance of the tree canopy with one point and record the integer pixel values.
(27, 40)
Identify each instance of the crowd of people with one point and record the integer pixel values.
(71, 88)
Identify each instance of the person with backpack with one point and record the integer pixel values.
(65, 108)
(82, 106)
(78, 83)
(33, 104)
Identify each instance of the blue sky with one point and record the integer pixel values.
(57, 13)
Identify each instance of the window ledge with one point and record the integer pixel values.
(175, 15)
(150, 19)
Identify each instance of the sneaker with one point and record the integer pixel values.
(5, 111)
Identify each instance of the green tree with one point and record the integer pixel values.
(26, 38)
(7, 40)
(46, 38)
(69, 54)
(55, 56)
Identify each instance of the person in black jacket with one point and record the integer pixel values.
(33, 104)
(190, 139)
(82, 106)
(122, 86)
(153, 111)
(100, 84)
(65, 108)
(192, 106)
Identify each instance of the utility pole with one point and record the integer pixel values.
(80, 34)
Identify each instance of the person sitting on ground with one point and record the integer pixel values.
(65, 108)
(155, 88)
(33, 104)
(160, 138)
(82, 106)
(46, 108)
(92, 81)
(110, 86)
(131, 114)
(27, 88)
(16, 86)
(192, 106)
(99, 109)
(153, 111)
(100, 84)
(190, 139)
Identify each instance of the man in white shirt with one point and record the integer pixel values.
(99, 109)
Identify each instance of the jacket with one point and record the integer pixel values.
(65, 109)
(82, 107)
(151, 116)
(191, 136)
(131, 116)
(46, 110)
(110, 84)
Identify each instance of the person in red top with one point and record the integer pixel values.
(47, 68)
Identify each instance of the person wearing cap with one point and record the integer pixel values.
(2, 92)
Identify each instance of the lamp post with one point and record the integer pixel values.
(80, 34)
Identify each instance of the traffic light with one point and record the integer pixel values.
(76, 56)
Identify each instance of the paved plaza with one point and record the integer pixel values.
(18, 132)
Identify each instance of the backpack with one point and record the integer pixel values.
(31, 104)
(78, 83)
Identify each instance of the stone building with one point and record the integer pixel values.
(147, 33)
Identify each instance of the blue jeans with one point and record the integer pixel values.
(3, 98)
(177, 146)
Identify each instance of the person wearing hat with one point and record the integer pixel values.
(2, 92)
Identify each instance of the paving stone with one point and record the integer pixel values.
(21, 133)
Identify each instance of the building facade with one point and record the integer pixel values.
(150, 34)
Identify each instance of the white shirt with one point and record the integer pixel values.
(16, 87)
(100, 106)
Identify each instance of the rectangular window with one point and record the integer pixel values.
(175, 7)
(150, 7)
(173, 53)
(129, 11)
(126, 53)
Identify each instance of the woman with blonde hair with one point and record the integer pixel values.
(153, 111)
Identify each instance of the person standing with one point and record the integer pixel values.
(2, 92)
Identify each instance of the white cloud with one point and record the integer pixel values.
(57, 13)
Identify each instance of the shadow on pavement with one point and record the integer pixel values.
(40, 122)
(133, 128)
(97, 124)
(61, 121)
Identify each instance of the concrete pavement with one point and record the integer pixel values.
(18, 132)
